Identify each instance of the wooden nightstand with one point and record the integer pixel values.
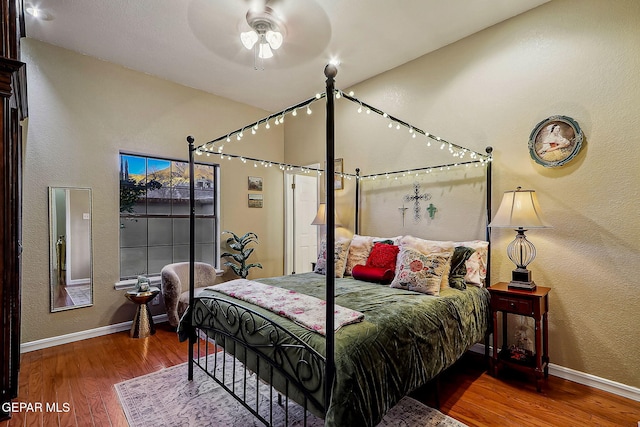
(533, 304)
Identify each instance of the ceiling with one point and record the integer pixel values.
(196, 43)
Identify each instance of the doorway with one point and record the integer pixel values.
(301, 206)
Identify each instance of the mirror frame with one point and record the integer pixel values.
(55, 245)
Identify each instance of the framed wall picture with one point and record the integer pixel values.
(338, 179)
(255, 183)
(555, 141)
(255, 200)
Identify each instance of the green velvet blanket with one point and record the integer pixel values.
(405, 340)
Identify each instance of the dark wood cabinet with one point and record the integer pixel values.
(13, 94)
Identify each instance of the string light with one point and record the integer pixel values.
(413, 173)
(456, 150)
(477, 159)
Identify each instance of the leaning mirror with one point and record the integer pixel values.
(70, 272)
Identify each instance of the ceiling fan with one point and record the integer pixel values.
(266, 34)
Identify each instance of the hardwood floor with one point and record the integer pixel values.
(79, 378)
(471, 395)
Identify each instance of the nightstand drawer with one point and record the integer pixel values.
(512, 305)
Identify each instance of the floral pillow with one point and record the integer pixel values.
(383, 255)
(418, 272)
(477, 262)
(459, 267)
(340, 257)
(429, 247)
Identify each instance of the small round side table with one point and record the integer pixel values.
(142, 326)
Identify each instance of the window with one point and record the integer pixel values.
(154, 214)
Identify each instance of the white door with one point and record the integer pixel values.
(301, 243)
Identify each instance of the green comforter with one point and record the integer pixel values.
(405, 340)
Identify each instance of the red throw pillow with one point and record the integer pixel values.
(383, 256)
(372, 274)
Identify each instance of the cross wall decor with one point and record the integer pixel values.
(415, 198)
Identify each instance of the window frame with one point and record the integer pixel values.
(128, 279)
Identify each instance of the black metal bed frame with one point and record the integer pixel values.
(232, 326)
(241, 332)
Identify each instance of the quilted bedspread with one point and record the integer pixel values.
(405, 340)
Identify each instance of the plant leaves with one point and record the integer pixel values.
(248, 266)
(247, 253)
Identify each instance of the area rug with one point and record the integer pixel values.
(166, 398)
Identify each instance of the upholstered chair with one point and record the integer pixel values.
(175, 286)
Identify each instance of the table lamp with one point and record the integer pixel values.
(321, 216)
(520, 210)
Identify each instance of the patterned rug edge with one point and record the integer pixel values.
(405, 410)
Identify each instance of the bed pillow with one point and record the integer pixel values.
(383, 255)
(477, 262)
(372, 274)
(428, 247)
(340, 257)
(359, 250)
(419, 272)
(388, 240)
(458, 267)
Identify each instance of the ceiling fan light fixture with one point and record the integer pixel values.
(265, 51)
(274, 38)
(266, 34)
(249, 38)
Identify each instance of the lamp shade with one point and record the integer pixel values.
(519, 208)
(321, 216)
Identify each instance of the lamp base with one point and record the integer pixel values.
(521, 279)
(526, 286)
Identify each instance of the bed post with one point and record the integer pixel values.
(192, 237)
(330, 72)
(487, 279)
(356, 226)
(489, 150)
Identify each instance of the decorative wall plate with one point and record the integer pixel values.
(555, 141)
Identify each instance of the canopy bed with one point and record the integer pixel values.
(375, 344)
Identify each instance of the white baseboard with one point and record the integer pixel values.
(82, 335)
(583, 378)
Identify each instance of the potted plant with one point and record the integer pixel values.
(239, 244)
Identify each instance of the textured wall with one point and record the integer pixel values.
(569, 57)
(82, 113)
